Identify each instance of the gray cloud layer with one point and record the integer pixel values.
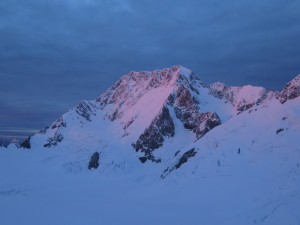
(55, 52)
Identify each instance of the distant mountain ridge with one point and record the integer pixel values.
(6, 140)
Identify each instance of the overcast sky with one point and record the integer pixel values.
(53, 53)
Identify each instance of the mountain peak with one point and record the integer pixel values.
(157, 77)
(139, 97)
(184, 71)
(291, 90)
(134, 86)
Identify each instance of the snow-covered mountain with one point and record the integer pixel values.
(6, 140)
(162, 135)
(147, 110)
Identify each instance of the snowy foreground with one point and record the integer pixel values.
(244, 171)
(261, 185)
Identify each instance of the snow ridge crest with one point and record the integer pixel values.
(136, 86)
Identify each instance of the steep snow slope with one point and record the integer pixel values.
(146, 110)
(243, 171)
(258, 153)
(142, 111)
(258, 185)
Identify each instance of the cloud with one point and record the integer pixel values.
(55, 53)
(11, 132)
(17, 129)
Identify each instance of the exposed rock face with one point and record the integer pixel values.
(132, 87)
(199, 123)
(94, 161)
(5, 141)
(53, 141)
(143, 159)
(291, 90)
(206, 121)
(153, 137)
(55, 129)
(26, 143)
(176, 88)
(188, 112)
(86, 109)
(186, 109)
(183, 159)
(242, 98)
(58, 123)
(218, 90)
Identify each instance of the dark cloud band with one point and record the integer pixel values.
(55, 53)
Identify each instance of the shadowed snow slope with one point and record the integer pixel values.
(172, 151)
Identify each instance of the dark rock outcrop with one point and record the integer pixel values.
(86, 110)
(187, 111)
(233, 95)
(183, 159)
(94, 161)
(279, 130)
(5, 141)
(218, 90)
(44, 130)
(26, 143)
(291, 90)
(206, 122)
(182, 100)
(153, 137)
(143, 159)
(126, 92)
(59, 123)
(54, 140)
(148, 156)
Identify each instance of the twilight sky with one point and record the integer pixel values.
(53, 53)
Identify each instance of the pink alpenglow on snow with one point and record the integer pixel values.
(161, 147)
